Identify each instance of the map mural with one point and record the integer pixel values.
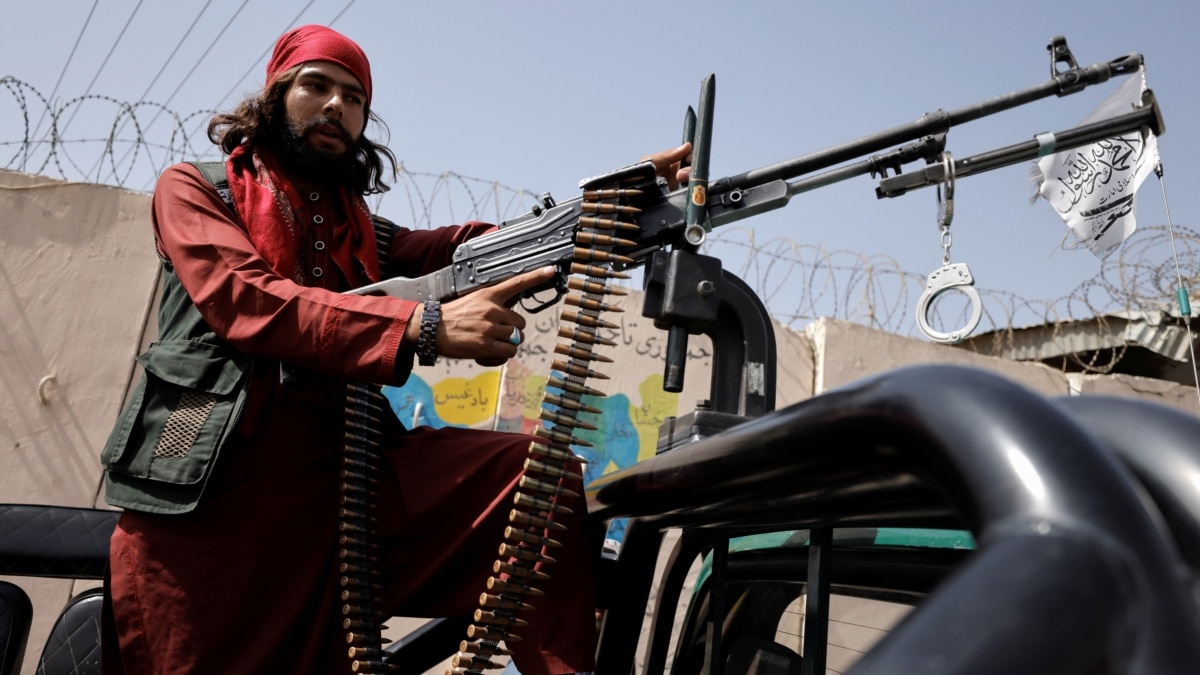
(626, 429)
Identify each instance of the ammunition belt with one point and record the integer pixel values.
(362, 611)
(358, 548)
(524, 554)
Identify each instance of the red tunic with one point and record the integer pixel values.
(247, 582)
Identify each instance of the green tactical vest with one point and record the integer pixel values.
(163, 447)
(188, 402)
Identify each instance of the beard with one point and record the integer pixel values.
(297, 153)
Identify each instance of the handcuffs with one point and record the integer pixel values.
(949, 276)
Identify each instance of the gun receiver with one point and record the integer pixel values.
(546, 236)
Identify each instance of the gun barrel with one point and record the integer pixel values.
(934, 173)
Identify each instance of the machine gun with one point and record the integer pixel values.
(670, 226)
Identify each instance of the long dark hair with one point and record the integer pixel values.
(259, 119)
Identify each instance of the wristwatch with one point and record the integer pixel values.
(427, 339)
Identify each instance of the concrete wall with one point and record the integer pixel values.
(77, 269)
(77, 283)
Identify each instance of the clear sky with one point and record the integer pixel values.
(537, 95)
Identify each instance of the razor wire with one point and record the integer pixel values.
(126, 145)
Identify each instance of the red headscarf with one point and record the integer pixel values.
(263, 195)
(318, 43)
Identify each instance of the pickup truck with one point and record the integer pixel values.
(1003, 530)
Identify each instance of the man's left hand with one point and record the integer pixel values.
(669, 164)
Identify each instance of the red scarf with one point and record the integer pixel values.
(264, 202)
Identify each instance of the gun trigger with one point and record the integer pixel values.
(560, 289)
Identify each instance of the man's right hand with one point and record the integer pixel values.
(480, 325)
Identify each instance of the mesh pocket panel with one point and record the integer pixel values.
(184, 424)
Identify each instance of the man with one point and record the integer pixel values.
(226, 462)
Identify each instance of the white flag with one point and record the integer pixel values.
(1092, 187)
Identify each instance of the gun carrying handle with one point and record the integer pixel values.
(689, 133)
(698, 130)
(696, 216)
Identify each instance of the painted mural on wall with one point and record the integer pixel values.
(464, 394)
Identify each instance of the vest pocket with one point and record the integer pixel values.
(184, 407)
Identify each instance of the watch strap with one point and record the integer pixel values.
(427, 338)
